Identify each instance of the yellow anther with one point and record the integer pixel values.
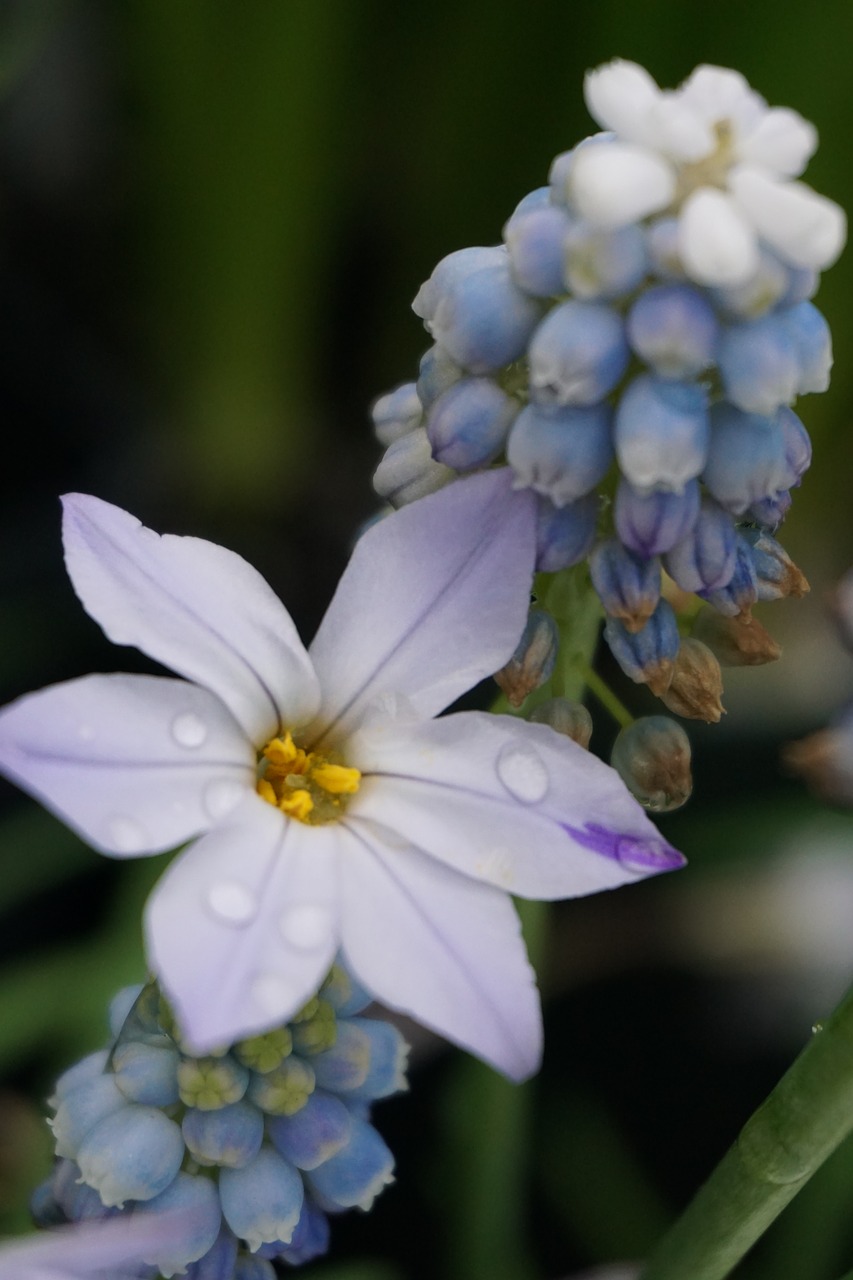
(336, 779)
(282, 751)
(266, 792)
(297, 805)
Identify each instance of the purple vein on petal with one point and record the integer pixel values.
(638, 853)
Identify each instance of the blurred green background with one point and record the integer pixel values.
(213, 216)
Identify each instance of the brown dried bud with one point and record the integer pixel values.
(824, 760)
(533, 661)
(737, 642)
(569, 718)
(697, 684)
(652, 756)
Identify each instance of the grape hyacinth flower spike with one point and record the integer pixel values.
(632, 350)
(323, 807)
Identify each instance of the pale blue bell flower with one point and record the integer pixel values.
(809, 332)
(81, 1108)
(577, 354)
(537, 243)
(132, 1154)
(673, 328)
(652, 522)
(661, 432)
(147, 1073)
(759, 364)
(262, 1201)
(230, 1137)
(468, 424)
(197, 1195)
(704, 560)
(561, 452)
(312, 1135)
(747, 458)
(355, 1176)
(603, 263)
(483, 320)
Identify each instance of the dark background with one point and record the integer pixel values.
(213, 216)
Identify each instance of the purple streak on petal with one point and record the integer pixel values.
(194, 606)
(130, 762)
(244, 925)
(433, 599)
(635, 853)
(441, 947)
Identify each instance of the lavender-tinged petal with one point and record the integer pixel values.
(432, 634)
(243, 926)
(493, 797)
(195, 607)
(198, 1197)
(125, 760)
(407, 934)
(111, 1250)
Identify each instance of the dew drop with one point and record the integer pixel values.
(189, 730)
(126, 835)
(522, 772)
(221, 796)
(306, 926)
(232, 902)
(276, 996)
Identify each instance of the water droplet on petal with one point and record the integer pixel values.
(189, 730)
(221, 796)
(306, 926)
(522, 772)
(276, 996)
(232, 902)
(126, 835)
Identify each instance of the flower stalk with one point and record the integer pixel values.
(780, 1147)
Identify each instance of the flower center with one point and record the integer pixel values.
(304, 784)
(713, 170)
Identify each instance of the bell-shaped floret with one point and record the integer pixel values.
(536, 241)
(704, 560)
(577, 354)
(147, 1073)
(650, 523)
(741, 591)
(396, 413)
(196, 1197)
(132, 1154)
(408, 470)
(759, 365)
(80, 1109)
(627, 585)
(562, 453)
(747, 458)
(646, 656)
(673, 328)
(262, 1201)
(661, 432)
(355, 1176)
(604, 264)
(231, 1136)
(468, 424)
(315, 1133)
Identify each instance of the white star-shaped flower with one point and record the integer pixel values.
(718, 156)
(326, 809)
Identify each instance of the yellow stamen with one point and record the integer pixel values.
(336, 778)
(266, 792)
(297, 805)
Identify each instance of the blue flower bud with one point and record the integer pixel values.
(564, 535)
(389, 1055)
(747, 459)
(532, 663)
(802, 285)
(318, 1032)
(539, 198)
(262, 1201)
(211, 1083)
(627, 586)
(764, 289)
(537, 248)
(254, 1268)
(121, 1005)
(87, 1069)
(651, 523)
(483, 320)
(758, 365)
(652, 756)
(285, 1090)
(198, 1197)
(661, 432)
(449, 271)
(147, 1073)
(346, 1065)
(564, 716)
(396, 413)
(44, 1207)
(558, 177)
(602, 263)
(344, 992)
(646, 656)
(219, 1261)
(81, 1109)
(355, 1176)
(776, 574)
(315, 1133)
(468, 424)
(577, 354)
(663, 251)
(770, 512)
(76, 1201)
(674, 329)
(797, 445)
(705, 559)
(812, 340)
(132, 1154)
(310, 1239)
(436, 373)
(561, 452)
(231, 1136)
(408, 470)
(741, 591)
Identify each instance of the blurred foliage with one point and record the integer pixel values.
(214, 215)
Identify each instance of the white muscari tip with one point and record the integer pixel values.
(715, 240)
(806, 229)
(618, 95)
(614, 183)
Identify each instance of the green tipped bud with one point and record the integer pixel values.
(569, 718)
(697, 684)
(652, 756)
(210, 1083)
(313, 1035)
(736, 642)
(265, 1053)
(307, 1011)
(285, 1090)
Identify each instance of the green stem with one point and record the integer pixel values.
(781, 1146)
(608, 699)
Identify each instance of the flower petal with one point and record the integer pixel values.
(619, 95)
(781, 141)
(135, 764)
(438, 946)
(243, 927)
(197, 608)
(114, 1248)
(614, 183)
(508, 802)
(434, 598)
(716, 243)
(802, 226)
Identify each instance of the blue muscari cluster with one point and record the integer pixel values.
(263, 1140)
(650, 414)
